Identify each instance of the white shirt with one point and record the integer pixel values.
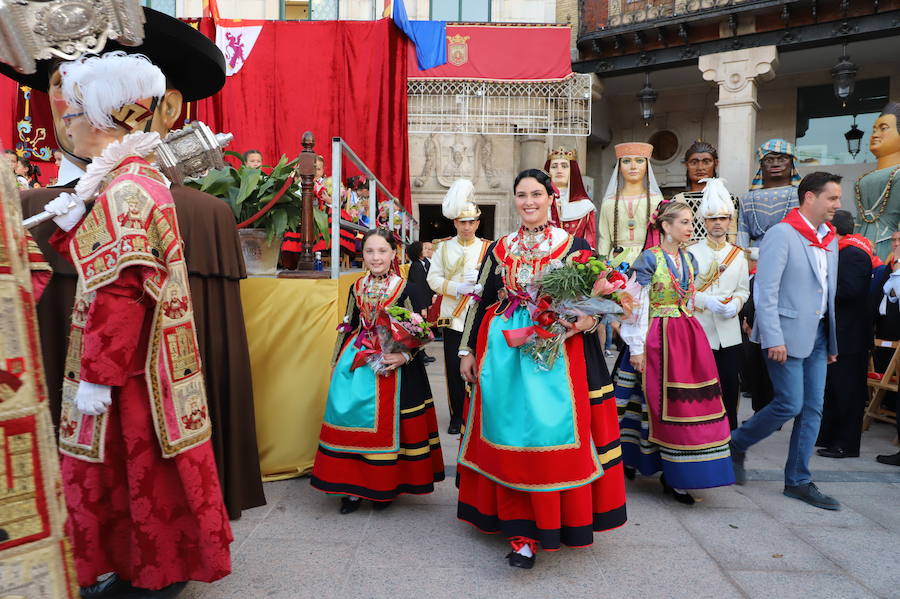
(68, 171)
(821, 264)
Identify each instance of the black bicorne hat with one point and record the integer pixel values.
(191, 62)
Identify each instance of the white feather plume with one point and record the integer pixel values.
(103, 84)
(460, 193)
(716, 199)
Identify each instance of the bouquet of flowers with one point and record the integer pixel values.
(397, 330)
(583, 285)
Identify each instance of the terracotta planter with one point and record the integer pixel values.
(260, 257)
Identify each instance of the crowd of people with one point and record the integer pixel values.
(544, 451)
(156, 456)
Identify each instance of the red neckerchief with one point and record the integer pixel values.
(863, 243)
(796, 220)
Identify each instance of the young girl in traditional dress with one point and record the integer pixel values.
(379, 437)
(540, 458)
(667, 388)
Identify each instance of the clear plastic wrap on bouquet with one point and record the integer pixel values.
(395, 337)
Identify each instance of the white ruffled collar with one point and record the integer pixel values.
(134, 144)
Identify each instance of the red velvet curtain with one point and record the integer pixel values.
(335, 78)
(8, 89)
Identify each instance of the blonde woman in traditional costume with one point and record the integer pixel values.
(631, 197)
(667, 387)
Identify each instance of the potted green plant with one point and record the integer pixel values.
(248, 190)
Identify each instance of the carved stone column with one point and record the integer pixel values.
(737, 73)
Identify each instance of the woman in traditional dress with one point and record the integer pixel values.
(631, 197)
(379, 438)
(667, 389)
(540, 458)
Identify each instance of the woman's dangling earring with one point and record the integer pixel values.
(669, 238)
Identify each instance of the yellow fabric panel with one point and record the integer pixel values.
(344, 284)
(290, 332)
(404, 270)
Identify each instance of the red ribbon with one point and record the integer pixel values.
(367, 341)
(542, 316)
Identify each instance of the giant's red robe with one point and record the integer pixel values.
(153, 520)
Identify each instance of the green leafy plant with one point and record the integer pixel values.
(247, 190)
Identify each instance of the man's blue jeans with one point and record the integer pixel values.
(799, 386)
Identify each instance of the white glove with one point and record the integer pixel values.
(714, 304)
(730, 311)
(68, 208)
(754, 253)
(470, 276)
(467, 288)
(93, 399)
(892, 287)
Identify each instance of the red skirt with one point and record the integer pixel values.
(554, 518)
(152, 521)
(382, 477)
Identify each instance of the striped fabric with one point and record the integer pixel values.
(775, 146)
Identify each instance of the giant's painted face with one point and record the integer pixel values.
(633, 168)
(560, 172)
(885, 138)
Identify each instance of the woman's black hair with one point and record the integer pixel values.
(537, 174)
(414, 251)
(383, 233)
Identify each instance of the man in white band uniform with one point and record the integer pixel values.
(453, 274)
(723, 286)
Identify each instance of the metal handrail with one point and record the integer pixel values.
(338, 148)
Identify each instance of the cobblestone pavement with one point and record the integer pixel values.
(748, 541)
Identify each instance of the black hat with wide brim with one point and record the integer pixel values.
(191, 62)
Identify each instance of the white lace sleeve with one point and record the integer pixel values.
(634, 330)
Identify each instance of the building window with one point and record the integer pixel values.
(822, 122)
(331, 10)
(166, 6)
(466, 11)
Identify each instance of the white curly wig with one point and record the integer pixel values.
(103, 84)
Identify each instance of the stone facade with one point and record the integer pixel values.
(490, 161)
(690, 112)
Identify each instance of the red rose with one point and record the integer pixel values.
(615, 276)
(581, 256)
(546, 318)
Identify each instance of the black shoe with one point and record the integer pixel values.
(517, 560)
(890, 459)
(109, 587)
(453, 429)
(630, 472)
(811, 494)
(428, 359)
(380, 506)
(680, 496)
(348, 506)
(836, 452)
(737, 462)
(169, 592)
